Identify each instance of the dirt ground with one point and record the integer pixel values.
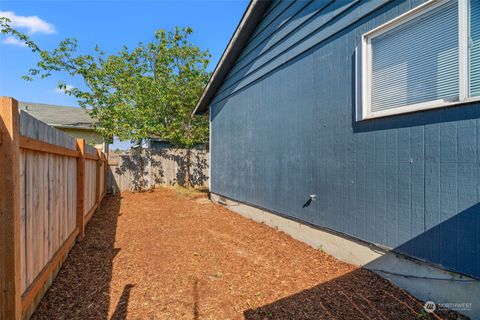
(174, 255)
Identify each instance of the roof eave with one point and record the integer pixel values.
(247, 25)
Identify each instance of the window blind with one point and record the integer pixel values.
(417, 61)
(474, 48)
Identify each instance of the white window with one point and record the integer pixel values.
(426, 58)
(474, 48)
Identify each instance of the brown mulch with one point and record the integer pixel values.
(172, 255)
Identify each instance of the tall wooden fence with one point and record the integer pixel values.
(147, 168)
(50, 185)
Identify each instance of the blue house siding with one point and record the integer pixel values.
(283, 127)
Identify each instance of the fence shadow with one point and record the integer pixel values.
(81, 289)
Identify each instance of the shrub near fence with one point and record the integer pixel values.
(50, 185)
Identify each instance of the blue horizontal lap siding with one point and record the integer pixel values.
(283, 128)
(293, 18)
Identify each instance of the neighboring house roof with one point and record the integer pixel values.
(245, 28)
(59, 116)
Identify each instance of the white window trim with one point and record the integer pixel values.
(463, 49)
(364, 109)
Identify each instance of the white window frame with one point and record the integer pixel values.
(364, 108)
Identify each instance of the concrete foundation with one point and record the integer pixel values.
(424, 281)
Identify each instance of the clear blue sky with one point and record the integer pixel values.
(110, 24)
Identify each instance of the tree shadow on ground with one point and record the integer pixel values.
(81, 289)
(356, 295)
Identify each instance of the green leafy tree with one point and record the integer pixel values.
(148, 91)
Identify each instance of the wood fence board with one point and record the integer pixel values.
(90, 185)
(49, 205)
(73, 193)
(22, 222)
(49, 198)
(10, 217)
(62, 204)
(48, 201)
(58, 201)
(36, 129)
(35, 253)
(55, 202)
(80, 207)
(43, 146)
(29, 235)
(41, 209)
(40, 281)
(152, 168)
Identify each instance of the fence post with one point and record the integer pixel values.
(10, 267)
(81, 189)
(105, 176)
(97, 187)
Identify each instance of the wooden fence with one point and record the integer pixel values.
(148, 168)
(50, 185)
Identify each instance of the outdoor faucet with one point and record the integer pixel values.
(312, 197)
